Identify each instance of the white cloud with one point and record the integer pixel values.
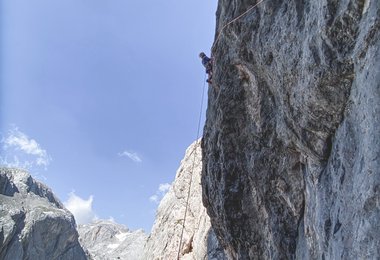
(154, 198)
(22, 151)
(163, 188)
(81, 208)
(131, 155)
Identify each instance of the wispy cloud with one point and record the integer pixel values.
(163, 188)
(131, 155)
(22, 151)
(154, 198)
(81, 208)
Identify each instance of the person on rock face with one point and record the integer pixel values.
(207, 63)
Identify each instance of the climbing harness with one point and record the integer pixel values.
(192, 167)
(234, 20)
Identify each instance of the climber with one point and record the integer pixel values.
(207, 62)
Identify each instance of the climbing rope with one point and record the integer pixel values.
(199, 122)
(234, 20)
(192, 167)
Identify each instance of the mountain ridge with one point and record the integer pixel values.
(35, 224)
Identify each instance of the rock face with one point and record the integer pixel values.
(199, 241)
(34, 223)
(106, 240)
(291, 145)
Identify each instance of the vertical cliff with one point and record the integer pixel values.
(291, 147)
(199, 241)
(34, 224)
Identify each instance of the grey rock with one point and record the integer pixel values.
(199, 240)
(34, 223)
(106, 240)
(291, 145)
(7, 187)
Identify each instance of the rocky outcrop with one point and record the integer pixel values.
(291, 144)
(34, 223)
(106, 240)
(199, 241)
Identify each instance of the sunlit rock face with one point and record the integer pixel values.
(291, 146)
(34, 223)
(106, 240)
(199, 241)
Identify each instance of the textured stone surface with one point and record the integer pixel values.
(199, 241)
(106, 240)
(291, 144)
(34, 223)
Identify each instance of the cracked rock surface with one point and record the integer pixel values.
(291, 145)
(199, 241)
(34, 223)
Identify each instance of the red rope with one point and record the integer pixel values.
(233, 20)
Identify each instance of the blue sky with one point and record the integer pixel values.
(106, 94)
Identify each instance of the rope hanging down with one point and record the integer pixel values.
(192, 167)
(199, 122)
(234, 20)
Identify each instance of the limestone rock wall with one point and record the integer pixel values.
(291, 144)
(34, 223)
(199, 241)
